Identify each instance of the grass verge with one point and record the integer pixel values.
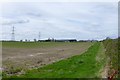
(112, 52)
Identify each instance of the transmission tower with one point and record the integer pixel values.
(39, 35)
(13, 34)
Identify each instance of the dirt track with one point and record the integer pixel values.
(25, 58)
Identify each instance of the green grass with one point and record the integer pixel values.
(80, 66)
(38, 44)
(28, 44)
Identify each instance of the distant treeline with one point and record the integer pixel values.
(62, 40)
(52, 40)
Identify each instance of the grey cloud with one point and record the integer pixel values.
(15, 22)
(34, 14)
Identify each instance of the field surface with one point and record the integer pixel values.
(87, 65)
(19, 57)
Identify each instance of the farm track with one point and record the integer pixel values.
(103, 73)
(29, 58)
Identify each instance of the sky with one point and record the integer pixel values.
(59, 20)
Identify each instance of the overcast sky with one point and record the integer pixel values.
(59, 20)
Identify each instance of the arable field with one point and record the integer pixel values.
(87, 65)
(20, 57)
